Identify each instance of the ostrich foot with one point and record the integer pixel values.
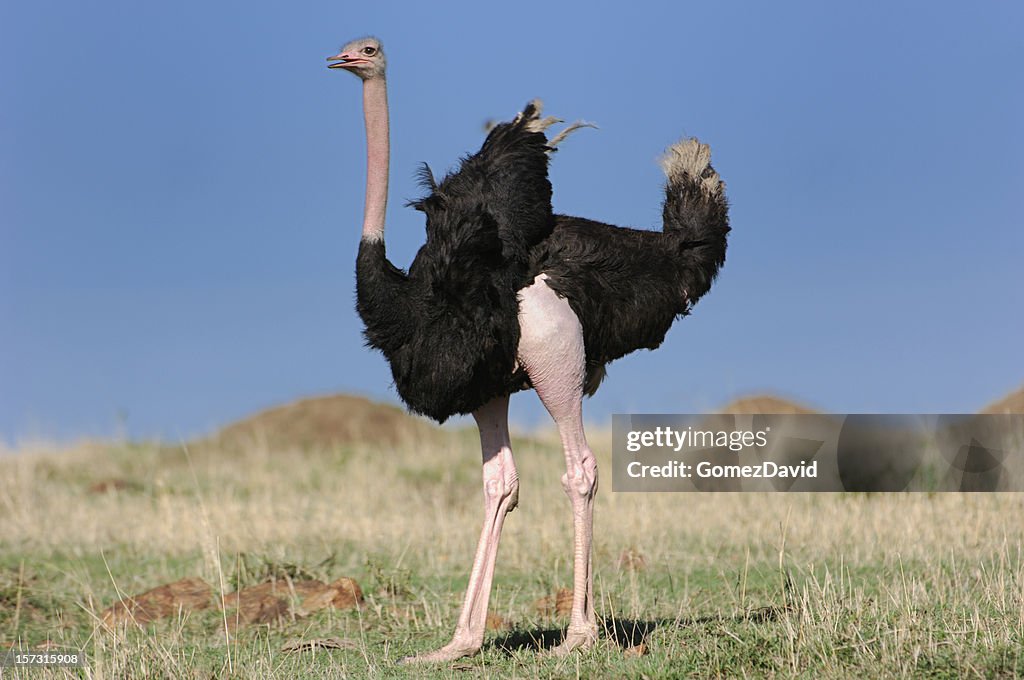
(456, 649)
(576, 639)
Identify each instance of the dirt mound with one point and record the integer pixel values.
(764, 404)
(560, 603)
(327, 422)
(1011, 403)
(188, 594)
(114, 485)
(259, 604)
(268, 602)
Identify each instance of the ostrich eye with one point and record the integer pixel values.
(369, 51)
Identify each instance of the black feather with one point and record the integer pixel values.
(449, 327)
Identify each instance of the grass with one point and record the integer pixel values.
(712, 585)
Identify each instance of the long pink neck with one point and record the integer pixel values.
(375, 111)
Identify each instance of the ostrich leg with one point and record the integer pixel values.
(551, 349)
(501, 493)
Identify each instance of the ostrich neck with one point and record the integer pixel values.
(375, 111)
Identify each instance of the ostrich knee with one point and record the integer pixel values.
(580, 478)
(501, 484)
(501, 480)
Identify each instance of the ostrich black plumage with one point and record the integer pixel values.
(449, 327)
(504, 295)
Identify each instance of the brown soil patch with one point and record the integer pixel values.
(269, 602)
(112, 485)
(636, 650)
(260, 604)
(560, 603)
(632, 559)
(344, 593)
(188, 594)
(264, 603)
(349, 594)
(496, 622)
(1011, 403)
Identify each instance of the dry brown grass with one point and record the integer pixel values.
(814, 585)
(427, 500)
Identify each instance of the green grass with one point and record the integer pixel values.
(734, 585)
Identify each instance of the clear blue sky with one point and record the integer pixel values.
(181, 194)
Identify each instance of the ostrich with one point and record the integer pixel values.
(504, 296)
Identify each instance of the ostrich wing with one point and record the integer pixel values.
(504, 185)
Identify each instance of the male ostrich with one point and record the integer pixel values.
(504, 296)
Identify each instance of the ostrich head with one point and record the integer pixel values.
(363, 57)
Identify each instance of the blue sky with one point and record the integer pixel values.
(181, 190)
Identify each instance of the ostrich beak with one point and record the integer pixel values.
(343, 60)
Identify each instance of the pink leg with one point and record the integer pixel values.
(551, 349)
(501, 494)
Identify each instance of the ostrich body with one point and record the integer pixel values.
(505, 295)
